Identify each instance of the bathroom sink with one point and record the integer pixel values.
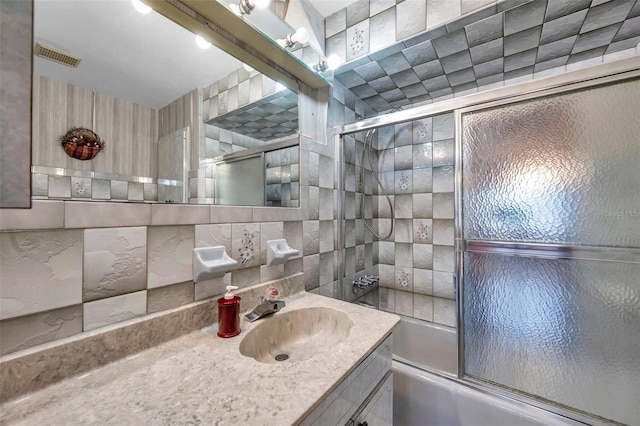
(296, 335)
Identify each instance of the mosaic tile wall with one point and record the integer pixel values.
(283, 177)
(503, 41)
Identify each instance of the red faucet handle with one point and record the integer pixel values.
(272, 294)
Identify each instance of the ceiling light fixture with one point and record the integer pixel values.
(202, 43)
(300, 36)
(331, 63)
(245, 7)
(141, 7)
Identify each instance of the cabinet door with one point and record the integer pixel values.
(378, 409)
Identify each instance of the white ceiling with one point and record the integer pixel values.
(146, 59)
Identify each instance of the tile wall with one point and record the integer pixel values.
(430, 57)
(68, 267)
(367, 26)
(509, 40)
(415, 161)
(283, 177)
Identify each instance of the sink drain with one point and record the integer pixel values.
(282, 357)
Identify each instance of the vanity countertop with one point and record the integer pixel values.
(202, 379)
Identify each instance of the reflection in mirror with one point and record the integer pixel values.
(273, 170)
(146, 89)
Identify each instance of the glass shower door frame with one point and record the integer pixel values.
(534, 250)
(608, 72)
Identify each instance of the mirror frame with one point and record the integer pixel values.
(218, 25)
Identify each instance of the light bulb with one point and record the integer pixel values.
(333, 61)
(300, 36)
(202, 43)
(261, 4)
(280, 87)
(247, 68)
(140, 7)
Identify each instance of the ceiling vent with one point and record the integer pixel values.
(56, 55)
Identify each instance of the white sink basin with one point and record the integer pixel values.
(296, 335)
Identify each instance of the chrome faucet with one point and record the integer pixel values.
(267, 306)
(365, 282)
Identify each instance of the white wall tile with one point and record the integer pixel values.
(170, 255)
(210, 288)
(43, 214)
(115, 261)
(382, 28)
(423, 281)
(32, 330)
(443, 285)
(411, 17)
(101, 313)
(423, 307)
(91, 214)
(163, 214)
(404, 303)
(444, 311)
(227, 214)
(443, 258)
(168, 297)
(441, 11)
(39, 271)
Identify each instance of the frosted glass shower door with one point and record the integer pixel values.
(551, 248)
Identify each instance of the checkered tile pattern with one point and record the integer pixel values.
(484, 48)
(269, 118)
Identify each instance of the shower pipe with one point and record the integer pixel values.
(368, 138)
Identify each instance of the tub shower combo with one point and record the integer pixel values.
(527, 198)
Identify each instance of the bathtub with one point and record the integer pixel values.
(426, 391)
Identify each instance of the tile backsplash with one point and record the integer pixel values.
(58, 282)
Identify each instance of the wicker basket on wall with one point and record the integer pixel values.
(81, 143)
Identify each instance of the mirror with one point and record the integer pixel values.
(166, 109)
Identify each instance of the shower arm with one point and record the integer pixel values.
(368, 138)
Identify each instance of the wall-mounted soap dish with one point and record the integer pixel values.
(211, 262)
(278, 252)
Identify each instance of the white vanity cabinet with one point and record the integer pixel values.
(365, 396)
(378, 409)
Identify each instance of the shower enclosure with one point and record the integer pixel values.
(536, 219)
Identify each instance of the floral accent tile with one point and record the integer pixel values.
(403, 184)
(360, 258)
(423, 231)
(81, 187)
(423, 131)
(403, 279)
(357, 40)
(247, 246)
(222, 102)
